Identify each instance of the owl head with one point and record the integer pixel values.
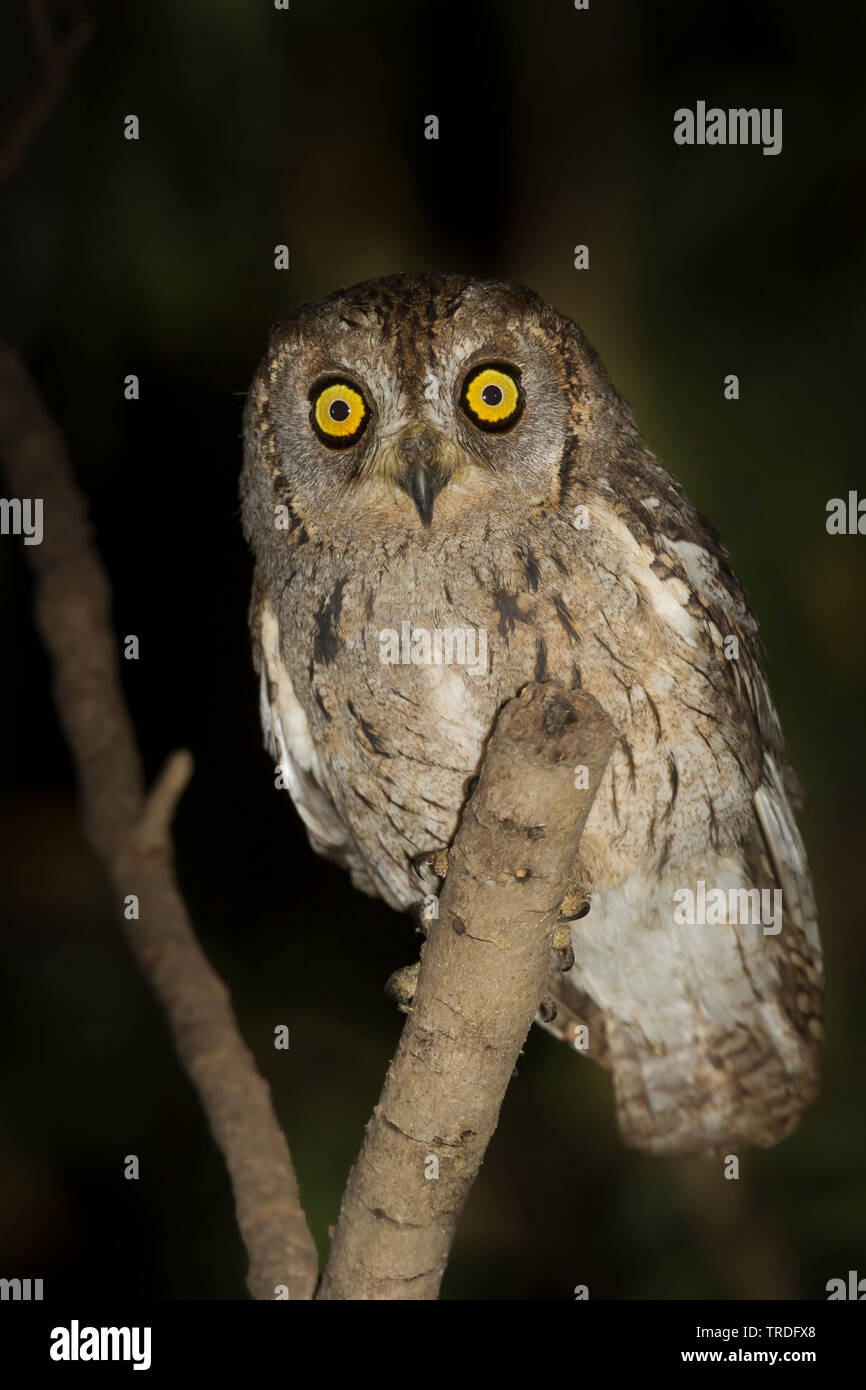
(413, 402)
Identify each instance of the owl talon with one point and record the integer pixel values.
(547, 1010)
(435, 859)
(578, 898)
(400, 986)
(439, 863)
(563, 950)
(424, 914)
(571, 909)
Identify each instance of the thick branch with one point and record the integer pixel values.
(130, 833)
(484, 972)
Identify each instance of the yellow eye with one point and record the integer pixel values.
(492, 398)
(339, 413)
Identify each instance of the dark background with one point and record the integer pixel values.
(261, 127)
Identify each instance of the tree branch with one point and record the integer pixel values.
(484, 972)
(130, 833)
(59, 61)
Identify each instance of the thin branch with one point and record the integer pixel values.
(484, 972)
(130, 833)
(154, 826)
(60, 59)
(43, 36)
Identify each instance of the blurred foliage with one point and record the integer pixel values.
(260, 127)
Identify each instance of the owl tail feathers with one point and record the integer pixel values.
(733, 1092)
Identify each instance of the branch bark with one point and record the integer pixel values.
(130, 833)
(484, 972)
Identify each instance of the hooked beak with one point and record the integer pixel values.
(422, 477)
(423, 484)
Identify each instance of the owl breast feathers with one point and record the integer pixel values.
(447, 499)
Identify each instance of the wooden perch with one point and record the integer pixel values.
(484, 972)
(130, 833)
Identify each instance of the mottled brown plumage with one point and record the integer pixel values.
(564, 541)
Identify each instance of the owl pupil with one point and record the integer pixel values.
(492, 395)
(338, 410)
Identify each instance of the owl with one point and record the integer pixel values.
(447, 499)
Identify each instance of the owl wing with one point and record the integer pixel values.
(288, 740)
(688, 1079)
(713, 1032)
(788, 855)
